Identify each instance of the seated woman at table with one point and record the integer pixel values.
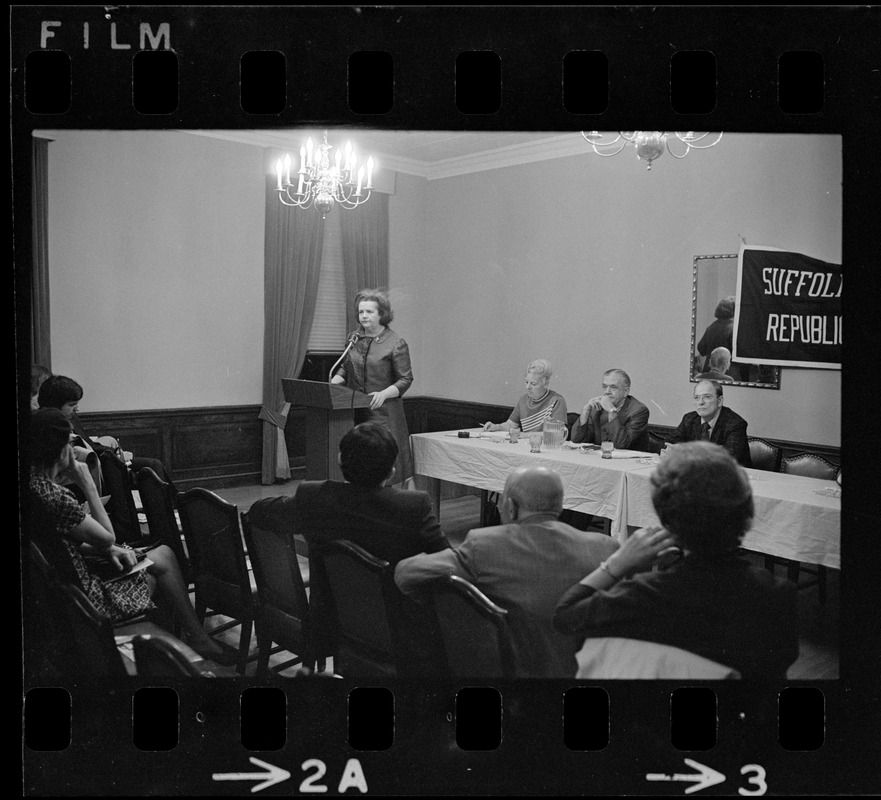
(61, 517)
(538, 404)
(713, 601)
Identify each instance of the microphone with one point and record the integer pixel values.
(353, 340)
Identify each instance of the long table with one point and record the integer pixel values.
(796, 518)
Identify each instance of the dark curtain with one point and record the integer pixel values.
(41, 352)
(364, 233)
(292, 257)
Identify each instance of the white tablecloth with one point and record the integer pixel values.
(792, 519)
(795, 517)
(592, 484)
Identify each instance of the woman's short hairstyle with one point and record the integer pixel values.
(58, 390)
(725, 308)
(367, 454)
(39, 373)
(703, 498)
(50, 431)
(386, 315)
(541, 368)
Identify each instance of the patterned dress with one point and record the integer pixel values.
(531, 416)
(119, 599)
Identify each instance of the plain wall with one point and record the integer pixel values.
(156, 268)
(587, 261)
(156, 259)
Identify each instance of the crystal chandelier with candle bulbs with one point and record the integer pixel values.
(323, 181)
(650, 145)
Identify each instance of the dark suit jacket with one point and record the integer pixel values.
(729, 431)
(723, 609)
(629, 431)
(387, 522)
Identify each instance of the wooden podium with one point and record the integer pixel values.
(329, 417)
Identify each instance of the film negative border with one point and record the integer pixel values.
(112, 86)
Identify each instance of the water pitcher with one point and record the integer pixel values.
(554, 433)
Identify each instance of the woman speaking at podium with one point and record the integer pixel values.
(378, 364)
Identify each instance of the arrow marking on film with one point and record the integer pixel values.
(706, 777)
(272, 775)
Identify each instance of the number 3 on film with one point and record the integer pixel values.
(705, 776)
(758, 780)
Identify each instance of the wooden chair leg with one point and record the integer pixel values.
(792, 570)
(821, 584)
(244, 646)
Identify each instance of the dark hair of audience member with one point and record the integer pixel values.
(58, 390)
(386, 315)
(725, 308)
(367, 454)
(703, 497)
(50, 431)
(39, 373)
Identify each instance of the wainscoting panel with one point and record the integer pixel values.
(222, 446)
(211, 447)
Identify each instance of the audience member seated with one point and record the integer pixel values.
(388, 522)
(720, 333)
(92, 534)
(713, 421)
(39, 374)
(712, 601)
(524, 565)
(720, 363)
(614, 416)
(59, 391)
(538, 405)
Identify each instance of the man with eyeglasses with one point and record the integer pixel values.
(713, 421)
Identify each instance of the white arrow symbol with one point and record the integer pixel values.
(707, 776)
(272, 776)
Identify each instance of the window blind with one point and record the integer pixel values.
(329, 326)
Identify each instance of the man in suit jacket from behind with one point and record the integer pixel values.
(525, 565)
(724, 426)
(388, 522)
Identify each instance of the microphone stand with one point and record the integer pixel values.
(352, 339)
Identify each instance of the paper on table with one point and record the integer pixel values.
(593, 448)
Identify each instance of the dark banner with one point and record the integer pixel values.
(788, 309)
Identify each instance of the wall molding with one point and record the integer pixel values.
(221, 446)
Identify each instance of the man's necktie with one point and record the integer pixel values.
(705, 431)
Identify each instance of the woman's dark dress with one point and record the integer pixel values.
(372, 365)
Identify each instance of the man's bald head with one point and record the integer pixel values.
(531, 490)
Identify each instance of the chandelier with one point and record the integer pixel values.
(323, 182)
(650, 145)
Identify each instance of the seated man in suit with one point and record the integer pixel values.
(524, 565)
(713, 421)
(713, 602)
(720, 363)
(388, 522)
(614, 416)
